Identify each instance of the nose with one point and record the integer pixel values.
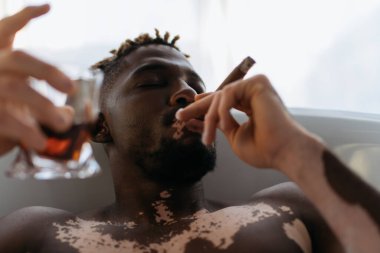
(183, 95)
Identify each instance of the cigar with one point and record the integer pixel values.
(238, 72)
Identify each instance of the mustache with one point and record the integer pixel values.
(169, 117)
(193, 125)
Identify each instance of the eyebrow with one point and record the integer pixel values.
(154, 66)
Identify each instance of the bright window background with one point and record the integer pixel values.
(318, 54)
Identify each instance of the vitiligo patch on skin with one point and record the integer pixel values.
(165, 194)
(286, 209)
(297, 232)
(217, 227)
(163, 213)
(178, 125)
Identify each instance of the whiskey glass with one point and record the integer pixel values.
(69, 154)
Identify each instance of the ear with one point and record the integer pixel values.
(101, 132)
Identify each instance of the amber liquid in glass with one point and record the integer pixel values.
(66, 145)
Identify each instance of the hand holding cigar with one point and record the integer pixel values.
(196, 125)
(194, 114)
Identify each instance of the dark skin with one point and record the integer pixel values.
(134, 109)
(157, 164)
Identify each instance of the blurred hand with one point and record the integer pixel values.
(22, 109)
(268, 135)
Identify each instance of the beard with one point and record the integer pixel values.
(177, 163)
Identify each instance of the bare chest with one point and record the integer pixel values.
(235, 229)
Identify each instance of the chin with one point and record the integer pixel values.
(191, 139)
(178, 162)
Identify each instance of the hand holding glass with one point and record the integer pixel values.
(68, 154)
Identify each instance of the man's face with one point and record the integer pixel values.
(156, 81)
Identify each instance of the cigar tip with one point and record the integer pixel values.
(246, 64)
(250, 59)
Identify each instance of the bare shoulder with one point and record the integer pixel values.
(285, 193)
(289, 197)
(27, 226)
(287, 190)
(33, 215)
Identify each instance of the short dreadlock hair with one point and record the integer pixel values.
(113, 65)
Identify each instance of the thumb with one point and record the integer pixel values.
(9, 26)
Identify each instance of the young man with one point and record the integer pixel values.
(158, 153)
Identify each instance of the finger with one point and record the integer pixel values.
(10, 25)
(271, 117)
(266, 102)
(68, 110)
(196, 109)
(211, 122)
(6, 145)
(228, 100)
(17, 90)
(20, 127)
(67, 113)
(195, 125)
(202, 95)
(21, 63)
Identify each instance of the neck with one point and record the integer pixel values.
(145, 201)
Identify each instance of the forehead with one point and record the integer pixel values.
(158, 54)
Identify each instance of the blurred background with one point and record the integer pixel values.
(322, 56)
(319, 54)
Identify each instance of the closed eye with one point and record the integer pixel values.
(151, 85)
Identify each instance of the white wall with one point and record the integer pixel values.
(318, 54)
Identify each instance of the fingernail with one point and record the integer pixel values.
(178, 112)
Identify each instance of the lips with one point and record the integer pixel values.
(191, 128)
